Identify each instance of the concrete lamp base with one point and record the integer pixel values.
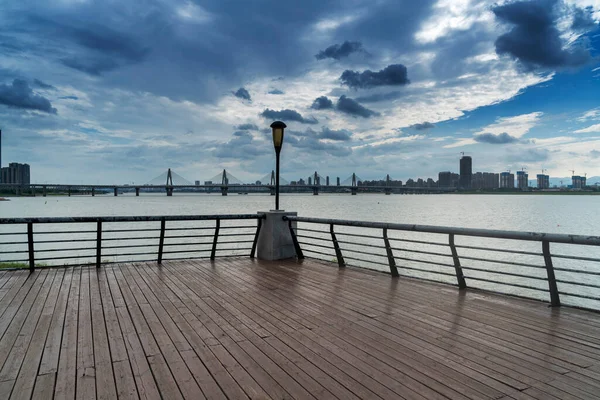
(275, 241)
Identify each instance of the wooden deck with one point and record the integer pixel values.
(239, 328)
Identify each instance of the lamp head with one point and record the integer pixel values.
(278, 128)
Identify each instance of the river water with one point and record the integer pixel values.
(550, 213)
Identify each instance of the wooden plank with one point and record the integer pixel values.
(86, 371)
(49, 362)
(8, 292)
(66, 376)
(14, 359)
(394, 374)
(25, 381)
(331, 369)
(18, 314)
(206, 378)
(44, 387)
(124, 380)
(103, 366)
(140, 367)
(168, 337)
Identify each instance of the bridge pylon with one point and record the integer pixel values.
(224, 183)
(169, 184)
(388, 185)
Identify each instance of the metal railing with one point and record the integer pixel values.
(103, 240)
(461, 256)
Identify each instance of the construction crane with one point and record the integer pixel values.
(462, 153)
(544, 170)
(572, 172)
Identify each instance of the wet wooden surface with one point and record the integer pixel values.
(240, 328)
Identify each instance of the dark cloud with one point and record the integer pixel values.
(490, 138)
(247, 127)
(242, 93)
(91, 66)
(422, 126)
(20, 95)
(241, 147)
(69, 98)
(322, 103)
(378, 97)
(338, 51)
(352, 107)
(288, 115)
(392, 75)
(534, 39)
(337, 135)
(310, 140)
(43, 85)
(276, 91)
(93, 48)
(583, 19)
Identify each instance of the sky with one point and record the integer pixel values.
(118, 91)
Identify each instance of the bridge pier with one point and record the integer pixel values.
(44, 191)
(137, 191)
(116, 192)
(353, 191)
(272, 190)
(169, 191)
(315, 190)
(69, 191)
(388, 191)
(93, 191)
(32, 190)
(224, 190)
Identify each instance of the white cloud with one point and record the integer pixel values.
(516, 126)
(589, 129)
(592, 114)
(191, 12)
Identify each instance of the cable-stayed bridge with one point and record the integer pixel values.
(169, 182)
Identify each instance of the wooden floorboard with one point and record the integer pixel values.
(237, 328)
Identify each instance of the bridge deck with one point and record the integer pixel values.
(239, 328)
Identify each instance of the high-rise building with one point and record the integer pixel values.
(338, 181)
(466, 172)
(543, 181)
(522, 180)
(16, 173)
(447, 179)
(327, 180)
(485, 180)
(579, 182)
(507, 180)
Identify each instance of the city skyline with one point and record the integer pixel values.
(399, 88)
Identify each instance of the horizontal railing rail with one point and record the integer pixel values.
(103, 240)
(513, 267)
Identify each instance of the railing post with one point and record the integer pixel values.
(338, 251)
(215, 240)
(390, 254)
(254, 243)
(459, 274)
(161, 240)
(554, 297)
(30, 246)
(297, 247)
(98, 244)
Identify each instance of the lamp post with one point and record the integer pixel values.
(278, 128)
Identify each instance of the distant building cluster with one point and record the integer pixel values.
(16, 173)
